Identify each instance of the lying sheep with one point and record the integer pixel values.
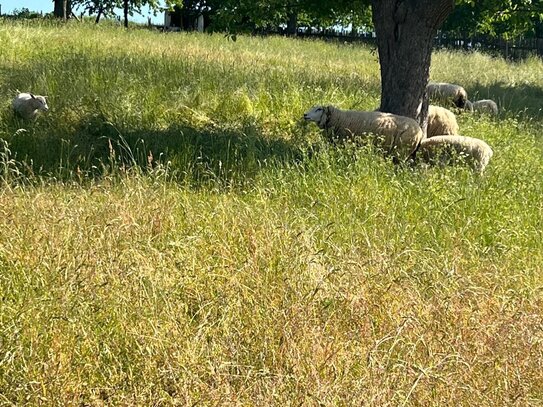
(398, 135)
(28, 105)
(447, 93)
(441, 121)
(443, 149)
(485, 106)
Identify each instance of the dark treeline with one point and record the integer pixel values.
(512, 28)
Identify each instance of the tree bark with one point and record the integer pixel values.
(62, 9)
(405, 32)
(126, 9)
(99, 14)
(58, 10)
(292, 23)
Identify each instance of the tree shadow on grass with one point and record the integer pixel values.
(196, 156)
(521, 99)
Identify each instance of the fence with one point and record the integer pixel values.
(514, 49)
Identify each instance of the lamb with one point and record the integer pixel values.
(441, 121)
(442, 149)
(398, 135)
(486, 106)
(28, 105)
(447, 93)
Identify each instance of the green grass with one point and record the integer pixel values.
(244, 261)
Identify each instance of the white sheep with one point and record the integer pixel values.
(443, 149)
(28, 105)
(485, 106)
(447, 93)
(398, 135)
(441, 121)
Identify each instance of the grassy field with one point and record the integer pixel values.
(171, 233)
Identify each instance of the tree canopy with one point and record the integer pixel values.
(505, 18)
(237, 16)
(107, 7)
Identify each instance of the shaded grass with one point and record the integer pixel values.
(149, 84)
(246, 262)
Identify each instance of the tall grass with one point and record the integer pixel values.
(242, 261)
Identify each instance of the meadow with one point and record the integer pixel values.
(172, 233)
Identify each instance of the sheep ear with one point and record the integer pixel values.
(324, 116)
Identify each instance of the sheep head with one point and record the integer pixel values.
(40, 102)
(319, 115)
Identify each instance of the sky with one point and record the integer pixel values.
(47, 6)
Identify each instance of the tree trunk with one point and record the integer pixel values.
(292, 23)
(405, 32)
(62, 9)
(126, 8)
(100, 11)
(58, 11)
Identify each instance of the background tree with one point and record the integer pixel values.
(101, 8)
(62, 9)
(25, 13)
(237, 16)
(503, 18)
(186, 16)
(129, 7)
(245, 15)
(357, 14)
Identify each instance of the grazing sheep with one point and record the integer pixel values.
(398, 135)
(486, 106)
(441, 121)
(443, 149)
(447, 93)
(28, 105)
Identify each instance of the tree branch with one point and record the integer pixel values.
(439, 11)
